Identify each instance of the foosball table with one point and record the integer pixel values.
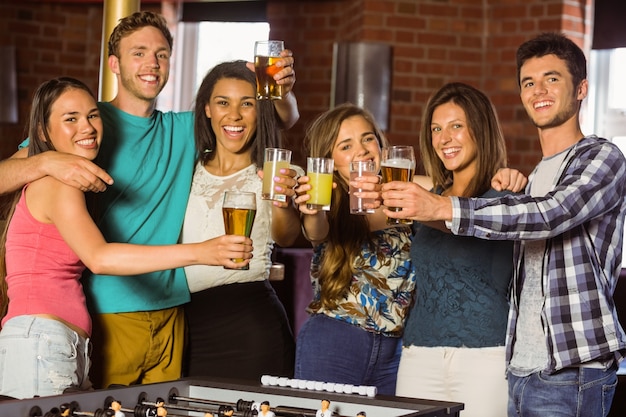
(206, 398)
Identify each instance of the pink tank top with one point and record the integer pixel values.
(43, 273)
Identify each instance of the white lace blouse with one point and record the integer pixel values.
(203, 220)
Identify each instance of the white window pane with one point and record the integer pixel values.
(617, 80)
(226, 41)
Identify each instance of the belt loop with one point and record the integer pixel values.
(28, 325)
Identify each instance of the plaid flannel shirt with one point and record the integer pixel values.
(582, 220)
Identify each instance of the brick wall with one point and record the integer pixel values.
(433, 41)
(50, 40)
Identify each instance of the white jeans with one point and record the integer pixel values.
(474, 376)
(42, 357)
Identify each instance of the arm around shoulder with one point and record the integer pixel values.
(18, 170)
(80, 173)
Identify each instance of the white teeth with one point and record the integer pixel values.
(85, 142)
(450, 151)
(149, 78)
(235, 129)
(543, 104)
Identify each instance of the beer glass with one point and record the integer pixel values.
(266, 53)
(239, 209)
(275, 160)
(397, 164)
(361, 169)
(320, 173)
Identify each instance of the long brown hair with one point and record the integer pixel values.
(348, 233)
(7, 207)
(39, 141)
(484, 128)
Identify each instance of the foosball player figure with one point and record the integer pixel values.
(67, 409)
(361, 414)
(161, 411)
(116, 406)
(325, 410)
(225, 411)
(265, 410)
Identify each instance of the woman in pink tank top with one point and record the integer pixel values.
(50, 239)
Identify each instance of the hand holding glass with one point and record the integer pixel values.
(266, 53)
(320, 173)
(397, 164)
(361, 169)
(275, 160)
(239, 210)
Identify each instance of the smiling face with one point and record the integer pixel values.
(232, 110)
(452, 139)
(143, 65)
(356, 141)
(548, 92)
(74, 125)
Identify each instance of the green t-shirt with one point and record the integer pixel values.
(151, 161)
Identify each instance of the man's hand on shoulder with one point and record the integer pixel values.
(76, 171)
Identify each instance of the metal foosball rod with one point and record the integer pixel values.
(145, 409)
(73, 410)
(243, 407)
(215, 409)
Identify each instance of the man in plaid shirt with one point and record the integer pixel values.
(564, 340)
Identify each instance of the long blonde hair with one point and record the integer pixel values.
(348, 233)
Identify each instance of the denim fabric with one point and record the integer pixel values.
(331, 350)
(42, 357)
(571, 392)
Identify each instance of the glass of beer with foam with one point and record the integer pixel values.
(397, 163)
(239, 210)
(266, 53)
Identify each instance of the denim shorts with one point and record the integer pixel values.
(575, 391)
(41, 357)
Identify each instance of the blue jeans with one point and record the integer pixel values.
(571, 392)
(330, 350)
(40, 356)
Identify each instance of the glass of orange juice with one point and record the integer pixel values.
(320, 173)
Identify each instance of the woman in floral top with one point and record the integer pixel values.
(361, 272)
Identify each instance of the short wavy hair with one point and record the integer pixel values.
(134, 22)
